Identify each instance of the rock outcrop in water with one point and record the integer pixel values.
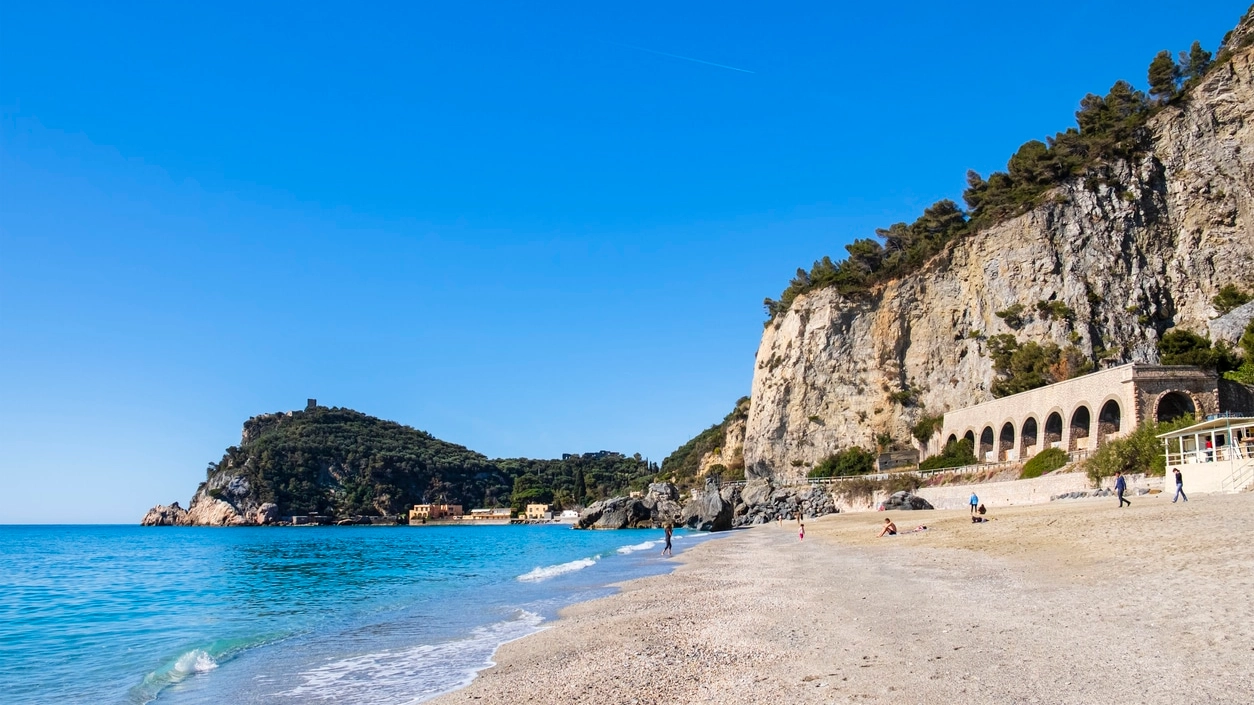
(1128, 256)
(165, 515)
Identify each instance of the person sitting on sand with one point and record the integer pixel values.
(981, 510)
(889, 529)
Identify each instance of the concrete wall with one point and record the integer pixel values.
(1206, 477)
(1007, 494)
(1012, 493)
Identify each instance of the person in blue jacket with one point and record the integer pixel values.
(1121, 486)
(975, 502)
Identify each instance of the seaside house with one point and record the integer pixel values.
(539, 512)
(422, 513)
(1216, 455)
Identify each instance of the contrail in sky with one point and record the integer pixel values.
(685, 58)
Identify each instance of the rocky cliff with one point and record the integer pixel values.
(1142, 250)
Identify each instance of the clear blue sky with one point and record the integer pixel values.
(526, 230)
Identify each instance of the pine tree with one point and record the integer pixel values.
(1163, 74)
(581, 488)
(1194, 63)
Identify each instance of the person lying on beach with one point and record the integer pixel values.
(979, 520)
(889, 529)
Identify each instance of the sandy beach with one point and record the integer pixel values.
(1067, 602)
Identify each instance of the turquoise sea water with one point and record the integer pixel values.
(119, 614)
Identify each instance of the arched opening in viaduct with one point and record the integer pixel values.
(1109, 420)
(970, 438)
(1053, 429)
(952, 440)
(1173, 405)
(1081, 419)
(986, 443)
(1005, 441)
(1027, 437)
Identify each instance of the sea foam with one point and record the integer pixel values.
(624, 550)
(193, 662)
(552, 571)
(411, 675)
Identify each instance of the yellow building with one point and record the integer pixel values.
(539, 512)
(433, 512)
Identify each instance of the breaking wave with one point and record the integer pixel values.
(552, 571)
(624, 550)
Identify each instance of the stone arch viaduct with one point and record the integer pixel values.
(1080, 413)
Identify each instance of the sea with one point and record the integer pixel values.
(370, 614)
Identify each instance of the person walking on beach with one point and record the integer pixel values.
(1121, 486)
(801, 533)
(1179, 487)
(975, 502)
(666, 550)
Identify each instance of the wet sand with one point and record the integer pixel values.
(1069, 602)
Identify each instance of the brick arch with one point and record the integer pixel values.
(987, 442)
(1054, 427)
(1005, 439)
(1111, 417)
(1173, 403)
(1080, 424)
(1029, 429)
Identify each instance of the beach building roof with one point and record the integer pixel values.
(1222, 422)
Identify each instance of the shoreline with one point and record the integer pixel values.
(1062, 602)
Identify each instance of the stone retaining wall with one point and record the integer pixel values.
(1008, 493)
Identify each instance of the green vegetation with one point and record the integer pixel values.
(683, 466)
(1024, 366)
(1230, 297)
(905, 397)
(1013, 316)
(1108, 128)
(1180, 347)
(926, 426)
(955, 455)
(1051, 310)
(865, 488)
(1045, 461)
(1245, 372)
(1139, 451)
(851, 461)
(342, 462)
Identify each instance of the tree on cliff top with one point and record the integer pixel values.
(1164, 76)
(1108, 128)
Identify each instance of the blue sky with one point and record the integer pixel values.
(528, 231)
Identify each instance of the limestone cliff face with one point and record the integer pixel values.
(1142, 252)
(731, 452)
